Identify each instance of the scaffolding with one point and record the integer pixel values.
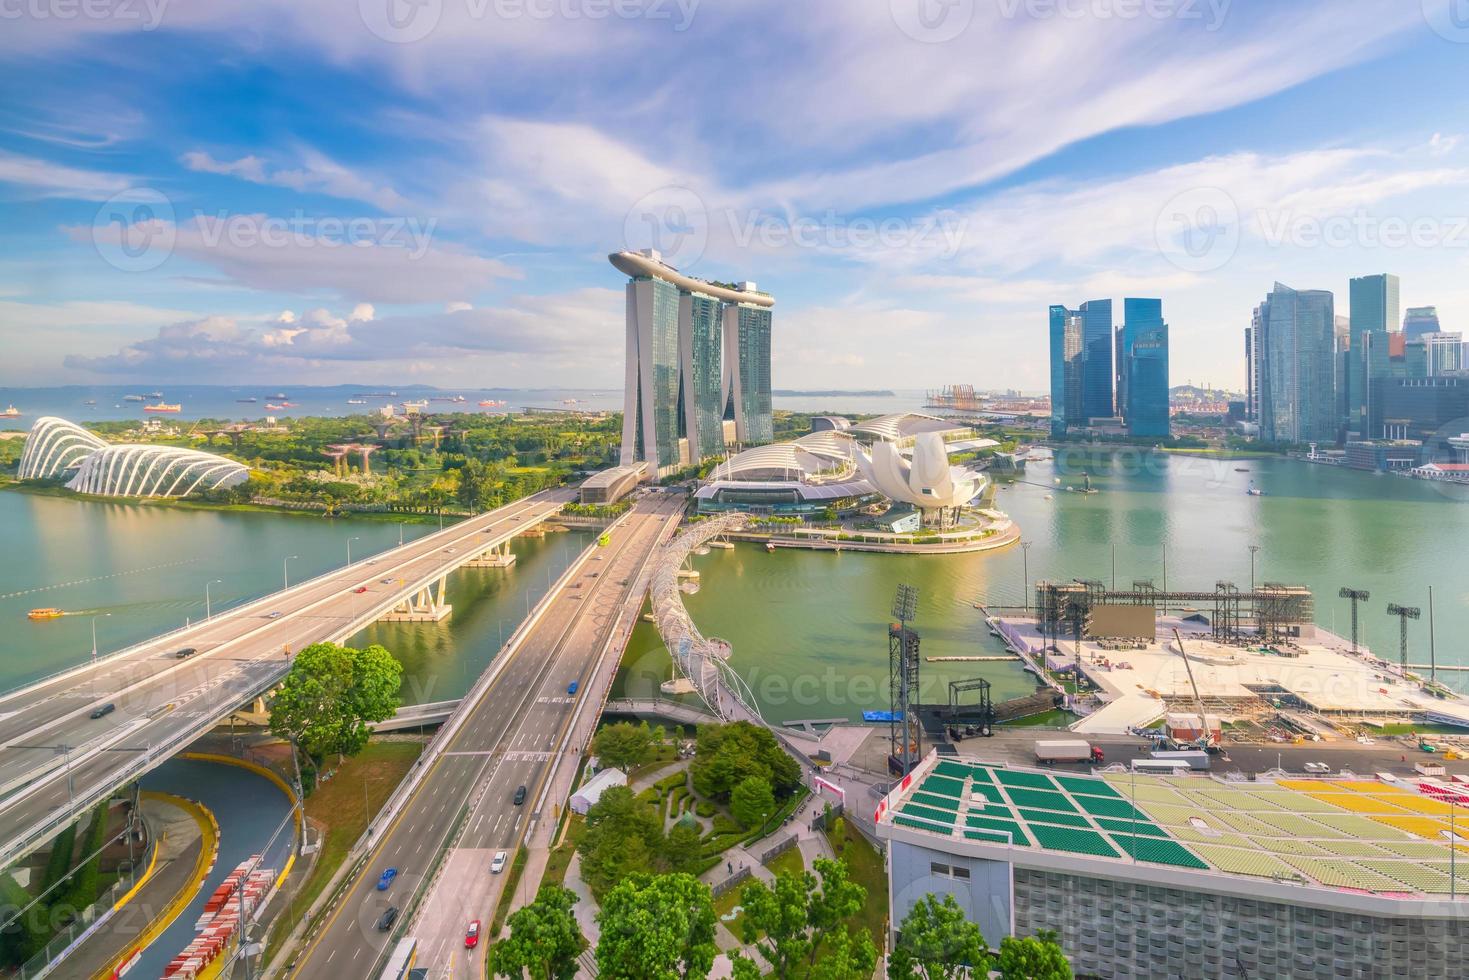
(905, 733)
(1271, 613)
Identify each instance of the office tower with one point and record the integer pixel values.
(1444, 353)
(693, 349)
(1143, 398)
(1420, 320)
(1119, 367)
(1255, 361)
(1096, 384)
(1297, 400)
(1374, 309)
(1067, 362)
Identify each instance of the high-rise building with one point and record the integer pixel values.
(1445, 353)
(1096, 384)
(1375, 309)
(1142, 395)
(1420, 320)
(1297, 385)
(696, 351)
(1255, 360)
(1068, 351)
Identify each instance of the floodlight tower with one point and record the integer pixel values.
(1356, 595)
(1404, 613)
(904, 731)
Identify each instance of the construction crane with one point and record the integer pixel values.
(1202, 742)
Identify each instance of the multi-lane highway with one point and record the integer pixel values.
(56, 758)
(467, 796)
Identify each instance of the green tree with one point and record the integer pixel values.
(726, 755)
(803, 930)
(657, 928)
(623, 745)
(623, 837)
(683, 848)
(544, 939)
(1038, 957)
(936, 942)
(476, 485)
(85, 885)
(752, 801)
(331, 693)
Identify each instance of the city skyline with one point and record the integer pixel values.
(1323, 138)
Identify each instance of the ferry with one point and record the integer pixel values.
(11, 412)
(133, 398)
(153, 394)
(173, 409)
(46, 612)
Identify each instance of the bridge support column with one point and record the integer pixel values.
(427, 605)
(500, 556)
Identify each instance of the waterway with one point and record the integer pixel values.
(809, 628)
(141, 570)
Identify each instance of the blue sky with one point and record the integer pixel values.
(389, 191)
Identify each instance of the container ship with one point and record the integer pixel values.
(165, 407)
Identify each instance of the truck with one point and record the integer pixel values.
(1196, 758)
(1428, 769)
(1070, 750)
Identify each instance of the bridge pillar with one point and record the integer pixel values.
(427, 605)
(499, 556)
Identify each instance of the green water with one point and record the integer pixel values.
(142, 570)
(809, 628)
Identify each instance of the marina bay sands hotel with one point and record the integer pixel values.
(698, 366)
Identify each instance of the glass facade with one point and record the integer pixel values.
(1299, 384)
(1096, 382)
(1067, 362)
(701, 388)
(654, 341)
(754, 368)
(1143, 394)
(1375, 311)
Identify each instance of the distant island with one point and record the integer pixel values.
(820, 393)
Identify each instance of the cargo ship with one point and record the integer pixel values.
(46, 612)
(164, 407)
(491, 403)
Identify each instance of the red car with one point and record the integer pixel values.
(471, 935)
(360, 589)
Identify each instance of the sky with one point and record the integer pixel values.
(399, 191)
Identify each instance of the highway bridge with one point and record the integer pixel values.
(57, 759)
(511, 731)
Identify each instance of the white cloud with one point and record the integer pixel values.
(41, 178)
(317, 174)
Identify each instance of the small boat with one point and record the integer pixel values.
(1241, 469)
(273, 408)
(153, 394)
(769, 546)
(90, 401)
(132, 398)
(1255, 491)
(279, 396)
(11, 412)
(491, 403)
(356, 401)
(247, 401)
(173, 409)
(46, 612)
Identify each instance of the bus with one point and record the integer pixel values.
(402, 959)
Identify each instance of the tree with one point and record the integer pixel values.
(1038, 957)
(331, 693)
(804, 931)
(623, 745)
(683, 848)
(476, 485)
(657, 928)
(752, 801)
(936, 942)
(728, 754)
(622, 838)
(544, 939)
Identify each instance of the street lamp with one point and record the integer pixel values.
(94, 634)
(285, 577)
(355, 537)
(400, 533)
(208, 611)
(1254, 549)
(1025, 569)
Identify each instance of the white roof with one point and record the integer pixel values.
(818, 452)
(891, 428)
(599, 784)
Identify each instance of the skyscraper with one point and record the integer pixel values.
(1445, 352)
(1254, 360)
(1067, 363)
(1374, 309)
(694, 350)
(1096, 384)
(1143, 397)
(1420, 320)
(1297, 386)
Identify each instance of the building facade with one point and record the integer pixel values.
(1298, 382)
(1443, 353)
(1067, 367)
(698, 354)
(1142, 394)
(1420, 320)
(1374, 314)
(1096, 384)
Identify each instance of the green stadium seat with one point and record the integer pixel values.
(1040, 800)
(1071, 839)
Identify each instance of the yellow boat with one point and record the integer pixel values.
(48, 612)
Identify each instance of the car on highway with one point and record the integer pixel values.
(471, 935)
(497, 864)
(520, 794)
(448, 551)
(360, 589)
(109, 708)
(1317, 767)
(385, 581)
(386, 920)
(597, 557)
(274, 615)
(571, 688)
(386, 878)
(185, 653)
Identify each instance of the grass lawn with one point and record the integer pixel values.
(344, 810)
(787, 862)
(560, 857)
(1055, 718)
(867, 869)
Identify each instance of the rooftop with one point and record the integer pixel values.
(1344, 834)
